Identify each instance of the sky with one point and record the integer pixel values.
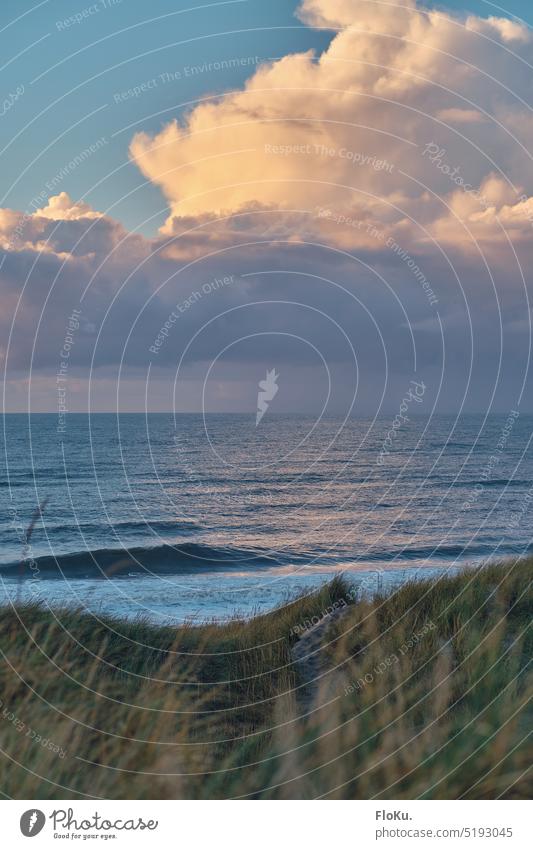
(196, 193)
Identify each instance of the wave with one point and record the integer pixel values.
(191, 558)
(512, 483)
(122, 562)
(445, 552)
(160, 526)
(517, 484)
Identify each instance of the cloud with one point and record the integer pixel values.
(460, 116)
(62, 227)
(352, 183)
(347, 130)
(61, 208)
(341, 14)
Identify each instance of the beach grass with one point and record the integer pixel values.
(422, 693)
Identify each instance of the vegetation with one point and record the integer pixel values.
(424, 693)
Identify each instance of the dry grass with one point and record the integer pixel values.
(213, 711)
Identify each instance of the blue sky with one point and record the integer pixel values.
(109, 52)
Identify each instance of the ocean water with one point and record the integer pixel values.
(186, 516)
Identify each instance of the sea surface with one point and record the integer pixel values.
(191, 517)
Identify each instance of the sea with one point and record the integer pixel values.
(191, 517)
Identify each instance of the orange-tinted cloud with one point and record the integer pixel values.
(348, 131)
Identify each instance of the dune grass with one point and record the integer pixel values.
(423, 693)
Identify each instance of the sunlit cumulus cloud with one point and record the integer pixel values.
(353, 127)
(62, 208)
(385, 183)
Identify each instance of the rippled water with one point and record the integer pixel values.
(186, 515)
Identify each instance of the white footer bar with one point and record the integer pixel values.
(267, 824)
